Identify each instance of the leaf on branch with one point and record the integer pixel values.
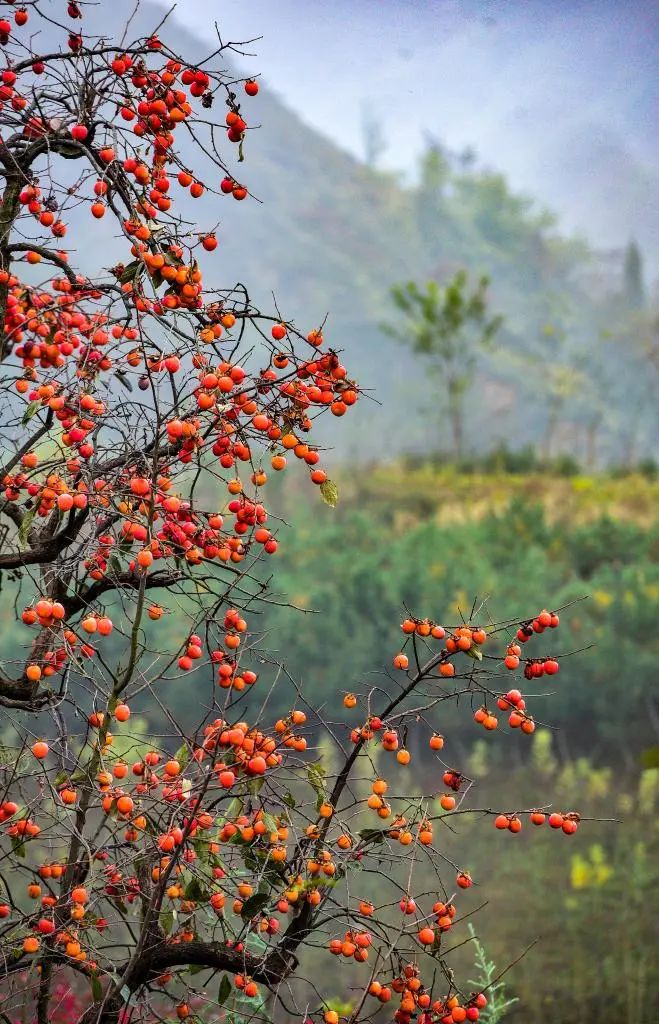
(329, 492)
(255, 904)
(249, 857)
(32, 408)
(225, 990)
(97, 989)
(18, 847)
(316, 777)
(114, 563)
(8, 755)
(474, 653)
(269, 822)
(24, 528)
(234, 809)
(130, 272)
(202, 849)
(123, 379)
(166, 921)
(372, 835)
(182, 755)
(256, 945)
(194, 890)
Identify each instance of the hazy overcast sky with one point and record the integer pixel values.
(559, 94)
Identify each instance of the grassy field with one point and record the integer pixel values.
(455, 496)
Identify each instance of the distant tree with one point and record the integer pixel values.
(449, 324)
(434, 177)
(373, 138)
(637, 333)
(562, 384)
(467, 159)
(634, 288)
(595, 388)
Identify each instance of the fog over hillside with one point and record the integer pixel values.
(330, 235)
(560, 95)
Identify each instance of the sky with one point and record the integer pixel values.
(560, 95)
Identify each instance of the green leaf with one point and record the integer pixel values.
(249, 859)
(97, 990)
(289, 800)
(182, 755)
(24, 528)
(254, 785)
(225, 990)
(256, 945)
(316, 777)
(114, 563)
(202, 849)
(18, 847)
(269, 822)
(130, 272)
(329, 492)
(474, 653)
(31, 410)
(234, 809)
(194, 890)
(196, 968)
(255, 904)
(372, 835)
(166, 921)
(7, 754)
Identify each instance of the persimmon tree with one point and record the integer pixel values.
(143, 412)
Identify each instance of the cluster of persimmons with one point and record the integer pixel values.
(169, 810)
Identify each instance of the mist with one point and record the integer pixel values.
(560, 97)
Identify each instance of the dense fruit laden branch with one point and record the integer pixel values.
(123, 383)
(230, 825)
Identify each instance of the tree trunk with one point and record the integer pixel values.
(455, 417)
(591, 442)
(550, 430)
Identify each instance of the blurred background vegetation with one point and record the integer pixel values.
(552, 497)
